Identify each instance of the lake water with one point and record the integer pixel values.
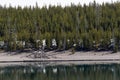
(61, 72)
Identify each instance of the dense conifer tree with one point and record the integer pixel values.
(87, 27)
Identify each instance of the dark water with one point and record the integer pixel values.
(60, 72)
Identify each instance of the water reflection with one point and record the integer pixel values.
(60, 72)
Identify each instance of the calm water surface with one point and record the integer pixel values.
(60, 72)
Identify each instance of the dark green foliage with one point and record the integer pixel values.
(89, 27)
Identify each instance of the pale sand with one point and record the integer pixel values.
(61, 56)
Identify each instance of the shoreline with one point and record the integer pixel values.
(52, 56)
(66, 63)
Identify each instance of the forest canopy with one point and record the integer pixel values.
(87, 27)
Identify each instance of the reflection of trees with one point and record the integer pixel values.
(81, 72)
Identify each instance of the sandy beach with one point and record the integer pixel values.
(60, 56)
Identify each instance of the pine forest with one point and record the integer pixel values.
(78, 27)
